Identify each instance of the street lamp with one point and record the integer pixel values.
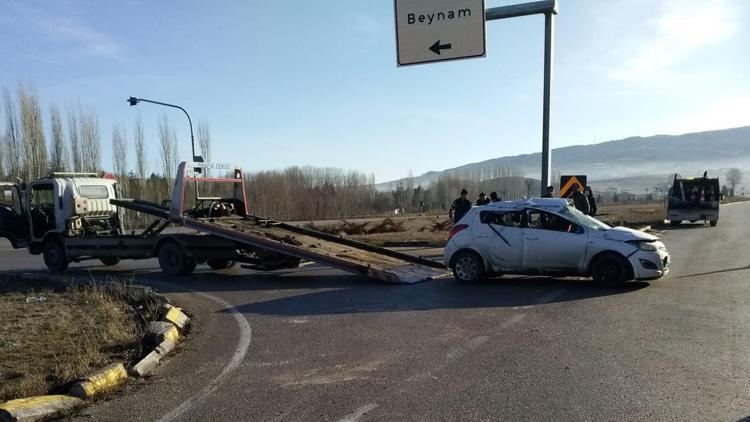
(133, 101)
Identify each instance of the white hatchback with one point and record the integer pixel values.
(547, 236)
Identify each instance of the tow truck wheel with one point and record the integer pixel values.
(110, 260)
(714, 223)
(468, 267)
(173, 260)
(54, 256)
(609, 270)
(220, 264)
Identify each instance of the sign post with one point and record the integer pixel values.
(414, 31)
(439, 30)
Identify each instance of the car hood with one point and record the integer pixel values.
(625, 234)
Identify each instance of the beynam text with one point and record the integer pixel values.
(429, 18)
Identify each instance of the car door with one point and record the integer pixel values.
(12, 220)
(552, 243)
(501, 239)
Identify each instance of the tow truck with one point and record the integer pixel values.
(693, 199)
(72, 217)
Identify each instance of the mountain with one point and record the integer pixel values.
(658, 156)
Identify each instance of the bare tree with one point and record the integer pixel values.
(734, 177)
(3, 142)
(204, 140)
(119, 153)
(140, 149)
(35, 145)
(90, 142)
(58, 153)
(167, 149)
(74, 135)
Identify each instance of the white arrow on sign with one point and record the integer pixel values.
(438, 30)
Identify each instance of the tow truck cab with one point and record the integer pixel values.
(70, 205)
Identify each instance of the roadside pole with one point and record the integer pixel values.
(549, 9)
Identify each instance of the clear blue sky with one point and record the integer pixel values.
(315, 83)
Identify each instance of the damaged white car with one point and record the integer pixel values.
(549, 237)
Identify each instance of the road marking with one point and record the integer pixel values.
(735, 203)
(239, 355)
(354, 416)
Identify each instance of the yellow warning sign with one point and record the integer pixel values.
(568, 182)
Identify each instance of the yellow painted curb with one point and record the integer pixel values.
(33, 408)
(176, 317)
(172, 334)
(102, 381)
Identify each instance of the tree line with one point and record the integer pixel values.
(71, 141)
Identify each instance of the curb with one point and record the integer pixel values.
(102, 381)
(33, 408)
(164, 334)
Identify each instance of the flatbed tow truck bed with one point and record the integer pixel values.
(339, 252)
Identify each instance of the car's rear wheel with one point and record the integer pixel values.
(468, 267)
(714, 223)
(610, 270)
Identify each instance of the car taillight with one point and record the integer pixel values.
(457, 229)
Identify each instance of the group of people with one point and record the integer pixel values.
(582, 201)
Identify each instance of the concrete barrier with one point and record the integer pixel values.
(176, 316)
(35, 408)
(101, 381)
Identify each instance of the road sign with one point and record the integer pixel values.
(567, 183)
(439, 30)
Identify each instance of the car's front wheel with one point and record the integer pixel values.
(468, 267)
(610, 270)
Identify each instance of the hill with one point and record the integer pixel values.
(656, 156)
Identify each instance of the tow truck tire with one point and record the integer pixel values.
(220, 264)
(110, 260)
(173, 261)
(54, 256)
(714, 223)
(468, 267)
(609, 270)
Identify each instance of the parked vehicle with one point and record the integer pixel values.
(549, 237)
(694, 199)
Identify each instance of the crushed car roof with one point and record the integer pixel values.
(552, 204)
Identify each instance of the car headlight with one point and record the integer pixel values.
(646, 246)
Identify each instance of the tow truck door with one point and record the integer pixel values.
(13, 220)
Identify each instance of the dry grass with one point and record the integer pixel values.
(47, 344)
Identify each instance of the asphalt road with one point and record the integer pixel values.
(318, 344)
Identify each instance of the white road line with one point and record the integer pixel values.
(354, 416)
(735, 203)
(239, 354)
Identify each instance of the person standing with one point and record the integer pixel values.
(579, 199)
(592, 201)
(494, 198)
(460, 206)
(483, 199)
(549, 192)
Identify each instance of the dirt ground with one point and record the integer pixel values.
(50, 336)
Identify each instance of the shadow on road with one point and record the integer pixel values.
(438, 294)
(319, 291)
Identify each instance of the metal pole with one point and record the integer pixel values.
(549, 27)
(192, 138)
(549, 9)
